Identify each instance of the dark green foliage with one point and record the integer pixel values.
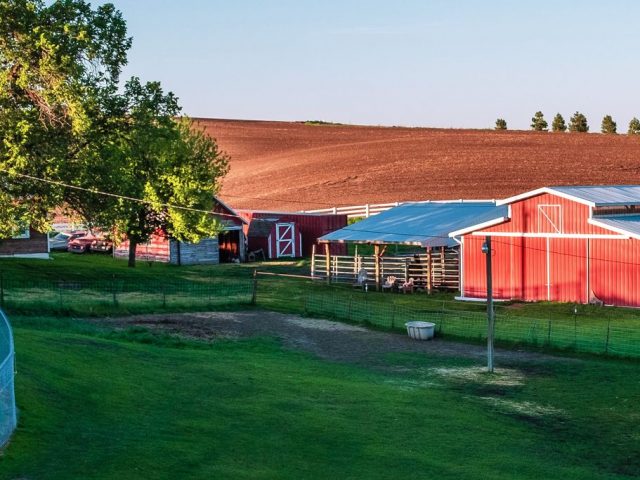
(538, 123)
(634, 127)
(608, 125)
(501, 124)
(558, 124)
(578, 123)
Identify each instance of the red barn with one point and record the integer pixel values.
(309, 226)
(228, 246)
(564, 244)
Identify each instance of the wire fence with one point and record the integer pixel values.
(8, 414)
(108, 296)
(605, 336)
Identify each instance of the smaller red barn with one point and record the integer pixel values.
(228, 246)
(310, 226)
(275, 238)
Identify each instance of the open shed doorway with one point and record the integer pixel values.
(231, 246)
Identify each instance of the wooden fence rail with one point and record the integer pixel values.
(437, 269)
(369, 209)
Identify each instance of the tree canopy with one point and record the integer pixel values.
(608, 125)
(578, 123)
(538, 123)
(501, 124)
(634, 127)
(59, 65)
(558, 124)
(67, 121)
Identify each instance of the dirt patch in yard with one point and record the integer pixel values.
(329, 340)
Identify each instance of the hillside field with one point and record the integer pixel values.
(294, 166)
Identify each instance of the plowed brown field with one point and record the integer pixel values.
(293, 166)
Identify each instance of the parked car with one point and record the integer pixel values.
(60, 241)
(81, 244)
(102, 245)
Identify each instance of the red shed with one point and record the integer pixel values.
(277, 239)
(310, 225)
(564, 244)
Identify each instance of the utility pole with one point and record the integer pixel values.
(486, 249)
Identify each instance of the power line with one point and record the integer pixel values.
(179, 207)
(122, 197)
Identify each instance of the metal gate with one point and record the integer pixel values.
(285, 240)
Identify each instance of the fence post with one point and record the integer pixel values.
(254, 290)
(393, 315)
(1, 290)
(549, 334)
(606, 345)
(113, 289)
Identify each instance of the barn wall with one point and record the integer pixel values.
(155, 250)
(311, 227)
(36, 244)
(615, 271)
(555, 269)
(205, 252)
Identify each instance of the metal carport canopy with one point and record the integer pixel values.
(426, 224)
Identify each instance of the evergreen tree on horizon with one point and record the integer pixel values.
(538, 123)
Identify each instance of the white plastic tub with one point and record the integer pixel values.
(420, 330)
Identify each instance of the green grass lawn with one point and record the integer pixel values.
(94, 285)
(97, 404)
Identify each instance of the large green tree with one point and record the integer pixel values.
(59, 69)
(634, 127)
(170, 166)
(65, 118)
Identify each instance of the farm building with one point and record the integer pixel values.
(565, 244)
(424, 225)
(228, 246)
(27, 244)
(289, 234)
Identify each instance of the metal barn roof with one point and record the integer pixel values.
(427, 224)
(625, 224)
(595, 196)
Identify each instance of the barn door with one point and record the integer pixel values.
(285, 240)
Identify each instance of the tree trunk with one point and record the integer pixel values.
(132, 252)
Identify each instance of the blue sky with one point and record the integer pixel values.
(414, 63)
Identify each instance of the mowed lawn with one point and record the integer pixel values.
(101, 404)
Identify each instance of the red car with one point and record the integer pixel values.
(90, 243)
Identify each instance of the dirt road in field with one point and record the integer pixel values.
(327, 339)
